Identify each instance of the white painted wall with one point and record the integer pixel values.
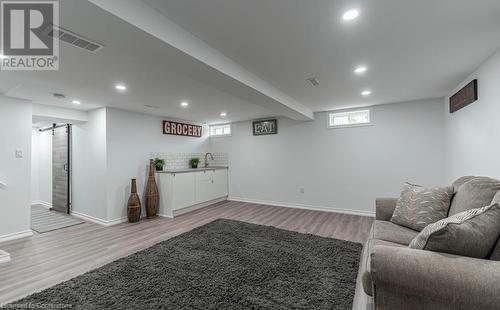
(338, 168)
(131, 137)
(15, 134)
(109, 150)
(41, 167)
(89, 166)
(472, 134)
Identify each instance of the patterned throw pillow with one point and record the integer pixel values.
(471, 233)
(418, 207)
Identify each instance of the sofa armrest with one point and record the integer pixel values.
(404, 276)
(384, 208)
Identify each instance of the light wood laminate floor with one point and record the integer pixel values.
(44, 260)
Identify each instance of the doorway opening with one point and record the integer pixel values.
(51, 177)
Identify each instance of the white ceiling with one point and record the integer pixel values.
(155, 73)
(414, 50)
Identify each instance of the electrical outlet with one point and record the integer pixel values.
(301, 190)
(19, 153)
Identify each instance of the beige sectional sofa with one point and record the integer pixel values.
(399, 277)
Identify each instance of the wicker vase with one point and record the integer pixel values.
(134, 204)
(152, 196)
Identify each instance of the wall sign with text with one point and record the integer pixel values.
(265, 127)
(464, 97)
(182, 129)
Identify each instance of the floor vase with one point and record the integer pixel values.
(134, 204)
(151, 193)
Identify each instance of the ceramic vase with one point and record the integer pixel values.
(134, 204)
(151, 193)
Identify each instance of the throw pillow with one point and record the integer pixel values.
(418, 207)
(471, 233)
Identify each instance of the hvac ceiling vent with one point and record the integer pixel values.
(73, 39)
(314, 81)
(58, 95)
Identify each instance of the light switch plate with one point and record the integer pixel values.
(19, 153)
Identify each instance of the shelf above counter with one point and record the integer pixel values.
(188, 170)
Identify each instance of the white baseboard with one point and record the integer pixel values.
(117, 221)
(303, 206)
(42, 203)
(4, 257)
(17, 235)
(98, 220)
(110, 222)
(164, 215)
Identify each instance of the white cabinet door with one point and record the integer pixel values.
(220, 183)
(205, 186)
(183, 190)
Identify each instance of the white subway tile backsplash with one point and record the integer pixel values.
(181, 160)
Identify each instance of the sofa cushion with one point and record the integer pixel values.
(387, 231)
(418, 206)
(495, 253)
(365, 268)
(475, 193)
(384, 233)
(471, 233)
(461, 181)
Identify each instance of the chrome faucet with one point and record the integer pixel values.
(206, 159)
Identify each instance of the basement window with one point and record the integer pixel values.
(220, 130)
(349, 118)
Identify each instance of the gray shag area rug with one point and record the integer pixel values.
(225, 264)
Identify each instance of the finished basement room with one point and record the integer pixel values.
(264, 154)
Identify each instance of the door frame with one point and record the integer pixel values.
(70, 153)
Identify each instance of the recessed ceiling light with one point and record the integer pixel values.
(350, 15)
(121, 87)
(184, 104)
(360, 70)
(75, 102)
(366, 93)
(223, 114)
